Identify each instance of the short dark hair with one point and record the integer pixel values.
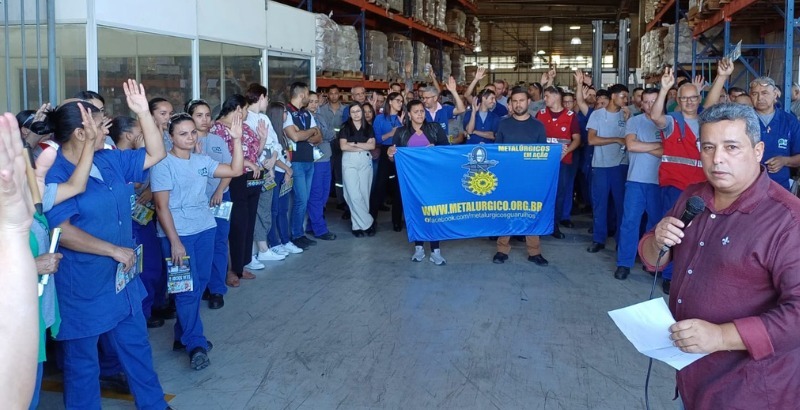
(89, 95)
(637, 89)
(153, 103)
(119, 126)
(538, 86)
(650, 90)
(617, 88)
(736, 90)
(568, 95)
(519, 90)
(396, 84)
(254, 92)
(295, 88)
(603, 93)
(65, 119)
(554, 90)
(334, 87)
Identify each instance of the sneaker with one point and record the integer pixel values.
(419, 254)
(198, 358)
(254, 264)
(436, 257)
(279, 250)
(270, 255)
(301, 242)
(291, 248)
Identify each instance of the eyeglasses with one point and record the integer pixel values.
(692, 98)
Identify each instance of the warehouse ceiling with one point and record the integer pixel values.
(512, 27)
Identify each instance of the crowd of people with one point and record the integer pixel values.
(193, 202)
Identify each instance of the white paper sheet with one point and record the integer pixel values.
(646, 325)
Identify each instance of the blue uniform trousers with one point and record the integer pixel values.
(153, 276)
(607, 182)
(639, 198)
(199, 248)
(669, 195)
(279, 232)
(566, 179)
(37, 388)
(320, 190)
(219, 265)
(81, 370)
(303, 174)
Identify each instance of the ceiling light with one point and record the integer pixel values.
(478, 48)
(541, 52)
(546, 27)
(574, 27)
(575, 41)
(579, 58)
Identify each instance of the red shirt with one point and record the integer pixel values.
(742, 265)
(559, 128)
(677, 149)
(250, 143)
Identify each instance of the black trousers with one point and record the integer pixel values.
(336, 165)
(243, 221)
(384, 181)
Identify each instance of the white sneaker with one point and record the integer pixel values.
(279, 250)
(254, 264)
(419, 254)
(436, 257)
(291, 248)
(269, 255)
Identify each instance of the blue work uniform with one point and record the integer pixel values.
(781, 138)
(88, 301)
(383, 124)
(500, 110)
(491, 123)
(442, 117)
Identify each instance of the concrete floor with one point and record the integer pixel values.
(354, 324)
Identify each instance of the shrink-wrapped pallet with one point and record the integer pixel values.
(377, 53)
(394, 5)
(649, 10)
(457, 63)
(440, 14)
(441, 65)
(401, 51)
(684, 49)
(327, 31)
(473, 30)
(393, 70)
(456, 22)
(422, 61)
(348, 52)
(429, 16)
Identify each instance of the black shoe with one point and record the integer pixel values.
(301, 242)
(346, 215)
(397, 227)
(154, 322)
(165, 313)
(499, 257)
(342, 207)
(216, 301)
(590, 230)
(622, 273)
(118, 383)
(328, 236)
(310, 241)
(519, 238)
(177, 345)
(595, 247)
(538, 259)
(558, 234)
(665, 286)
(198, 358)
(567, 224)
(371, 230)
(384, 208)
(206, 294)
(612, 234)
(358, 233)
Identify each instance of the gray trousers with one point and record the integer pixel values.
(357, 180)
(263, 216)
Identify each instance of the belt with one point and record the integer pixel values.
(680, 160)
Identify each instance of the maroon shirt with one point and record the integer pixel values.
(742, 265)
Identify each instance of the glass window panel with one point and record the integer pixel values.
(283, 71)
(162, 63)
(240, 66)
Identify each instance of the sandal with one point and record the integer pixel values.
(247, 275)
(232, 280)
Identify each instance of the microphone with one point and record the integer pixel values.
(694, 206)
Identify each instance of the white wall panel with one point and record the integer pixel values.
(239, 22)
(290, 29)
(172, 17)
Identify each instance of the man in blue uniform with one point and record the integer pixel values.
(438, 113)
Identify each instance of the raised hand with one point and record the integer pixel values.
(699, 83)
(451, 86)
(667, 79)
(16, 205)
(578, 74)
(136, 97)
(480, 73)
(39, 116)
(261, 129)
(236, 127)
(475, 104)
(725, 67)
(89, 126)
(585, 91)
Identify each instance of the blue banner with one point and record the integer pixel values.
(470, 191)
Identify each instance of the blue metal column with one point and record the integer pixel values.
(788, 67)
(726, 38)
(52, 75)
(677, 35)
(694, 59)
(440, 74)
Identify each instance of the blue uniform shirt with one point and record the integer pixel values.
(781, 138)
(381, 125)
(443, 116)
(490, 124)
(500, 110)
(87, 297)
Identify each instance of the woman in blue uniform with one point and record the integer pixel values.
(186, 225)
(96, 239)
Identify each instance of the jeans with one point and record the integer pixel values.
(199, 248)
(219, 265)
(279, 232)
(669, 196)
(566, 182)
(639, 198)
(303, 174)
(320, 190)
(607, 182)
